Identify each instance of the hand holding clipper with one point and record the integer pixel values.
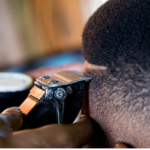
(54, 99)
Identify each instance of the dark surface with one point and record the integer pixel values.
(9, 99)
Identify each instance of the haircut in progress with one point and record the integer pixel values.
(117, 38)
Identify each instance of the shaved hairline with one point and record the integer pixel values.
(87, 65)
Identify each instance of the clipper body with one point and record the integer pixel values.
(54, 99)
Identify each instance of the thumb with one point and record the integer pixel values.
(12, 118)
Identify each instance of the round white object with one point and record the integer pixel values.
(13, 82)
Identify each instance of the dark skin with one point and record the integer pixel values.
(51, 136)
(54, 135)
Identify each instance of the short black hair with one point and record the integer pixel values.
(117, 33)
(117, 36)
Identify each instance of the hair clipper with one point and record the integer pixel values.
(54, 99)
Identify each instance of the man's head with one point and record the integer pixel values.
(116, 47)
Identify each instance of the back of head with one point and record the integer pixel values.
(116, 46)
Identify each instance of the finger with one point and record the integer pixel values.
(120, 145)
(81, 132)
(12, 117)
(58, 136)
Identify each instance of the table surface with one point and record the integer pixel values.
(51, 61)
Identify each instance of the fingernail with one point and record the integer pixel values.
(120, 145)
(18, 110)
(83, 115)
(116, 146)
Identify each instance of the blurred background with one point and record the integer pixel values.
(39, 33)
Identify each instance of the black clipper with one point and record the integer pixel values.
(54, 99)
